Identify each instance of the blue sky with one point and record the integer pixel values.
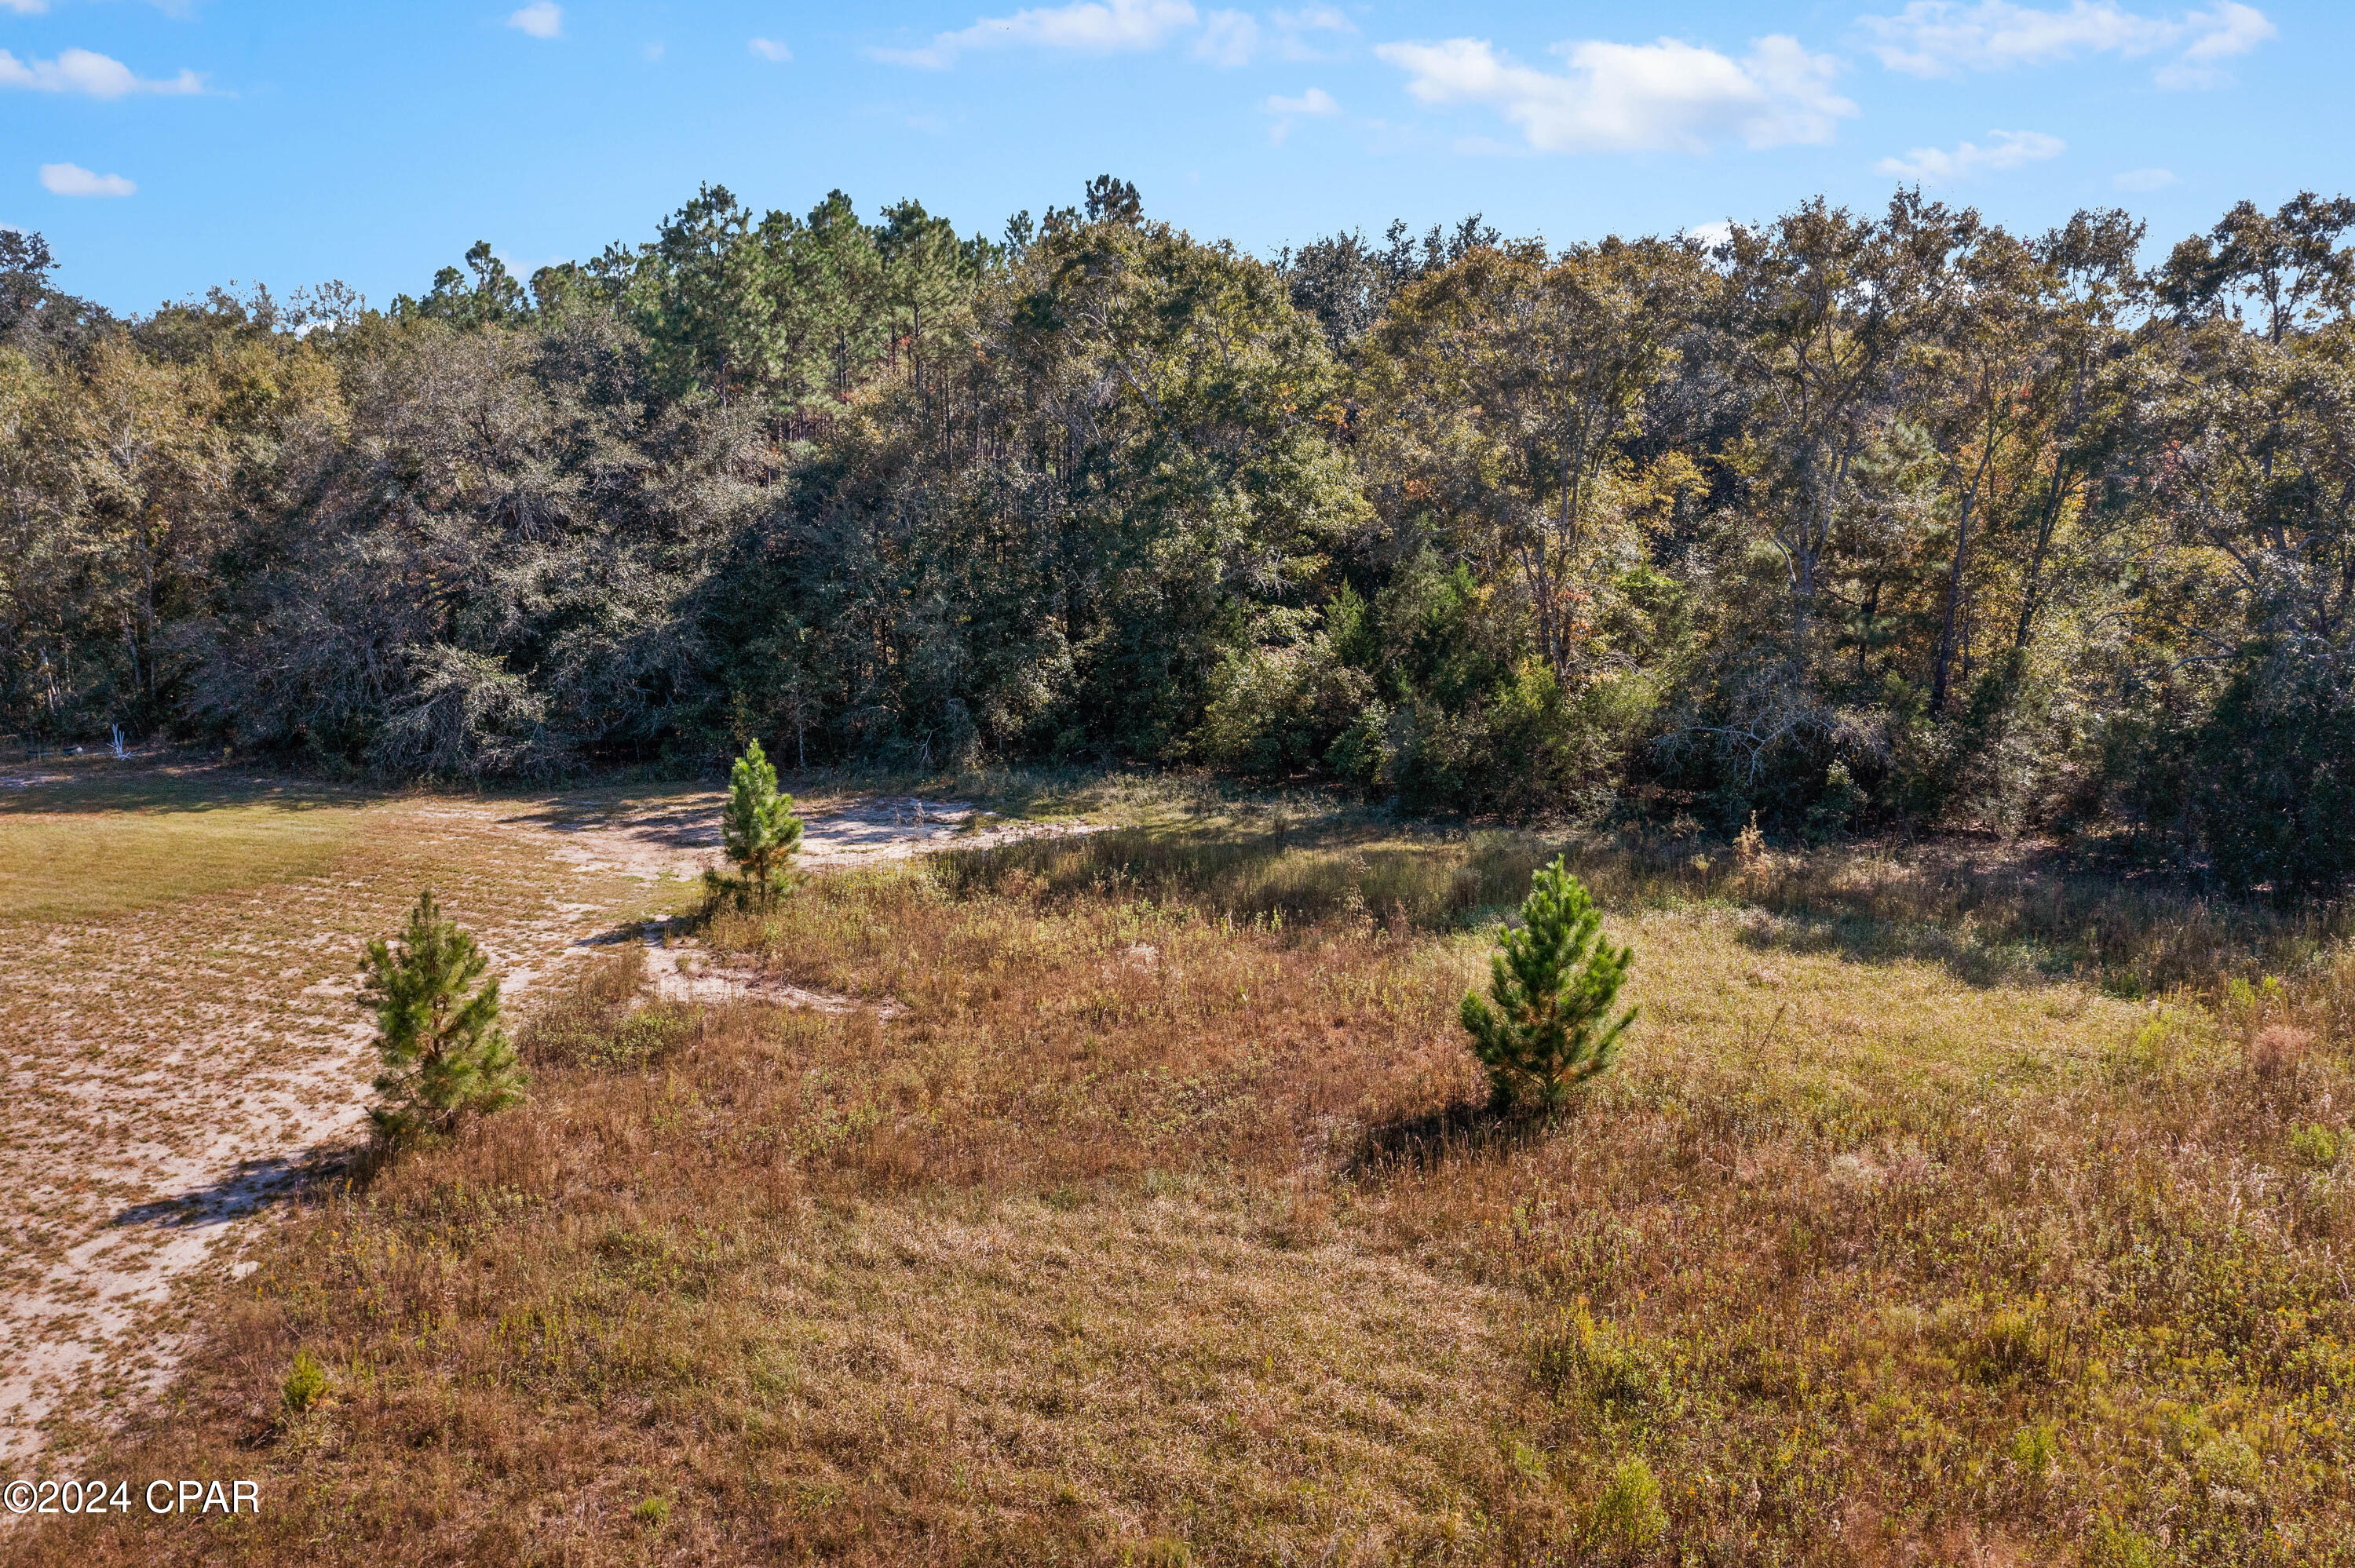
(163, 147)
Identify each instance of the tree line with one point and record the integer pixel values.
(1845, 520)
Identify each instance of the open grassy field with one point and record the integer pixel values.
(181, 1048)
(115, 845)
(177, 967)
(1943, 1210)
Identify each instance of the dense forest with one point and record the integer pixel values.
(1848, 521)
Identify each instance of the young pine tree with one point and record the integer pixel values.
(1551, 985)
(759, 828)
(441, 1047)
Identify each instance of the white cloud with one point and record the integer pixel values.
(1087, 27)
(80, 71)
(73, 180)
(2227, 30)
(1711, 234)
(1226, 37)
(1940, 37)
(1311, 18)
(40, 8)
(1315, 100)
(1237, 38)
(1638, 97)
(2143, 179)
(1229, 38)
(769, 49)
(541, 20)
(2008, 150)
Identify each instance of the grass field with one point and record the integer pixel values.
(110, 843)
(1943, 1210)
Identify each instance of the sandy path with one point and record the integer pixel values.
(169, 1073)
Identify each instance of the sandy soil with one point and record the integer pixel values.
(679, 972)
(171, 1073)
(683, 838)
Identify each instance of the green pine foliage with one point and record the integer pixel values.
(437, 1033)
(1540, 1033)
(759, 829)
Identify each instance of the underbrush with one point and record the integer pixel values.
(1036, 791)
(1165, 1227)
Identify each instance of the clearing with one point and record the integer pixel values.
(179, 951)
(1945, 1208)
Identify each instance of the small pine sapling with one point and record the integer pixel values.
(1540, 1033)
(759, 829)
(306, 1384)
(437, 1032)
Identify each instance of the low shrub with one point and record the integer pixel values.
(306, 1384)
(1628, 1514)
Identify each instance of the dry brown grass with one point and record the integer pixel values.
(1162, 1229)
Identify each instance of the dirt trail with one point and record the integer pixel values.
(169, 1074)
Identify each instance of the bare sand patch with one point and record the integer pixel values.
(681, 837)
(682, 971)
